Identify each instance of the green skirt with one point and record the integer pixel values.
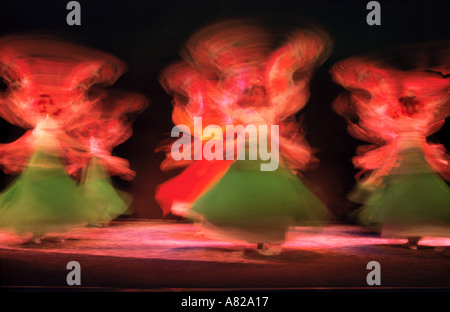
(414, 202)
(258, 206)
(107, 202)
(43, 198)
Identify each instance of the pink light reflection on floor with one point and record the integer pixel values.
(184, 241)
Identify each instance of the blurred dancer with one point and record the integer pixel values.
(231, 77)
(402, 188)
(101, 129)
(48, 82)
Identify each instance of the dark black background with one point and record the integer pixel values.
(148, 35)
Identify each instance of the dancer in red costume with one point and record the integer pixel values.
(49, 84)
(401, 183)
(231, 76)
(104, 127)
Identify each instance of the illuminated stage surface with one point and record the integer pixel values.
(169, 255)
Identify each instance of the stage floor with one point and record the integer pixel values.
(154, 255)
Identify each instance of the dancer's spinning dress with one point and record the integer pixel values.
(108, 203)
(415, 201)
(257, 206)
(44, 198)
